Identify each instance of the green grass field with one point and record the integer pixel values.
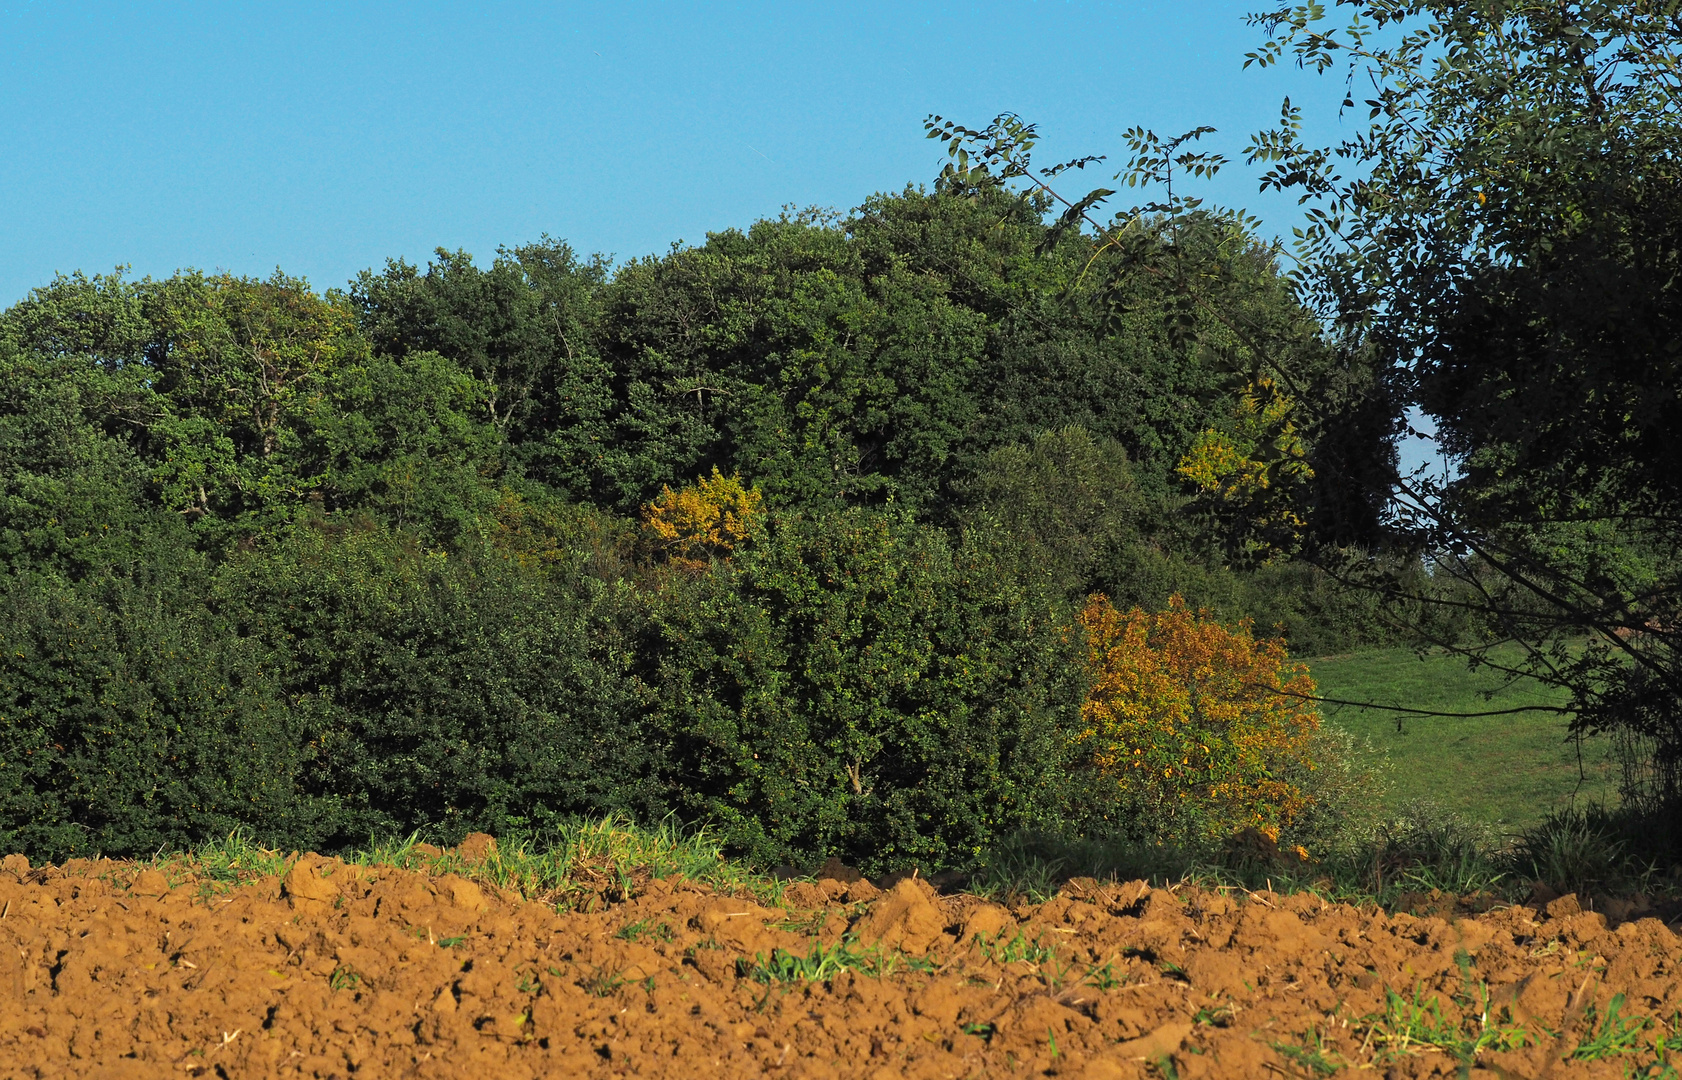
(1506, 770)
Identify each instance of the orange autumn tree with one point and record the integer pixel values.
(705, 520)
(1193, 719)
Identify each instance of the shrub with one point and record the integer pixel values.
(1067, 500)
(852, 684)
(469, 690)
(1343, 780)
(1193, 722)
(130, 723)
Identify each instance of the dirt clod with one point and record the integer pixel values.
(904, 918)
(986, 921)
(1564, 907)
(305, 886)
(464, 894)
(149, 883)
(476, 848)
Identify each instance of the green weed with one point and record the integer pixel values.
(1103, 976)
(807, 925)
(1411, 1024)
(1018, 950)
(601, 983)
(344, 978)
(1311, 1056)
(1611, 1035)
(823, 963)
(645, 928)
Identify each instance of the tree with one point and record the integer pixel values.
(1196, 725)
(526, 328)
(1067, 500)
(705, 520)
(1504, 234)
(1197, 278)
(235, 358)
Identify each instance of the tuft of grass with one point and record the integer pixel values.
(1310, 1055)
(1103, 976)
(1411, 1023)
(1611, 1035)
(1582, 851)
(585, 862)
(645, 928)
(1017, 950)
(580, 864)
(821, 963)
(1032, 866)
(601, 982)
(1416, 851)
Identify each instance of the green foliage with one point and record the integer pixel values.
(406, 443)
(1079, 521)
(822, 963)
(854, 684)
(75, 489)
(525, 328)
(462, 691)
(131, 722)
(822, 375)
(1068, 500)
(1588, 852)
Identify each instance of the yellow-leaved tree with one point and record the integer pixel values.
(1196, 721)
(1254, 474)
(705, 520)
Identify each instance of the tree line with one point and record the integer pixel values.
(375, 559)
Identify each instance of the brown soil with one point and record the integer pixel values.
(335, 970)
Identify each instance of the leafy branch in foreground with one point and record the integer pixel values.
(1502, 235)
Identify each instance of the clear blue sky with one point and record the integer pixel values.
(325, 138)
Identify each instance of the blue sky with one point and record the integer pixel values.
(324, 138)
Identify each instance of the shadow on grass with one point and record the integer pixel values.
(1420, 859)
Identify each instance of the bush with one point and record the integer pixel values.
(852, 684)
(130, 724)
(1343, 780)
(1195, 724)
(472, 690)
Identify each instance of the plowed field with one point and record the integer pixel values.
(337, 970)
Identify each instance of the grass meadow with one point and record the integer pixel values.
(1509, 771)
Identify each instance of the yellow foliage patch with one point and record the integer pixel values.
(1257, 467)
(704, 521)
(1183, 708)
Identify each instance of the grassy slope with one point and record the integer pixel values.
(1507, 769)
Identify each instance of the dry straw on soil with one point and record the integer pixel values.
(337, 969)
